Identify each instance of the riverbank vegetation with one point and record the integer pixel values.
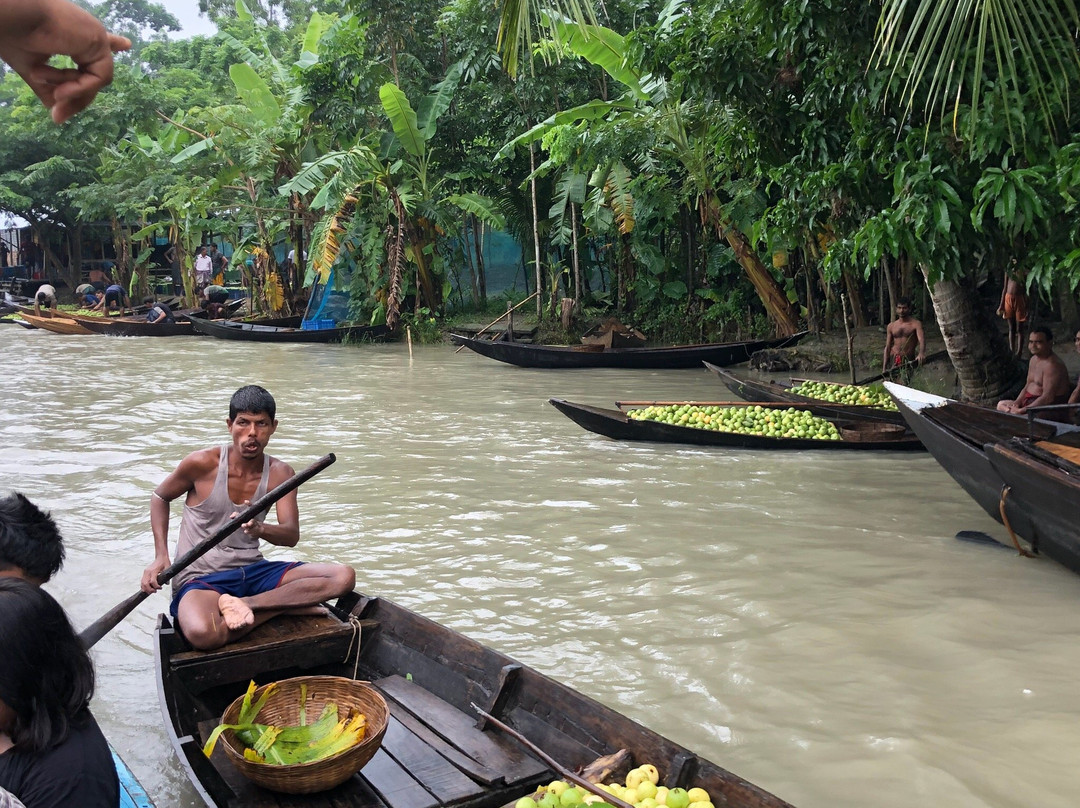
(703, 170)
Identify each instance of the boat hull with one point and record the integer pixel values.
(435, 754)
(562, 357)
(617, 425)
(1048, 496)
(254, 332)
(57, 325)
(136, 327)
(957, 443)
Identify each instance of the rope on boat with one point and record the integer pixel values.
(1005, 521)
(354, 621)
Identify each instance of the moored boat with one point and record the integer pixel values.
(135, 327)
(254, 332)
(551, 357)
(1042, 480)
(766, 390)
(854, 431)
(55, 323)
(436, 753)
(956, 433)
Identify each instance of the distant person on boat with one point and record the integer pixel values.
(159, 312)
(116, 298)
(99, 278)
(45, 296)
(1074, 397)
(1047, 378)
(94, 300)
(218, 262)
(232, 589)
(33, 31)
(1014, 308)
(214, 299)
(904, 339)
(52, 752)
(204, 269)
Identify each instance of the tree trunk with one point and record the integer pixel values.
(978, 350)
(777, 306)
(575, 259)
(536, 232)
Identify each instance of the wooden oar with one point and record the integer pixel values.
(489, 325)
(108, 621)
(593, 788)
(931, 358)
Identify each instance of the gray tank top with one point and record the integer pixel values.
(200, 522)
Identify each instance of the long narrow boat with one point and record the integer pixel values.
(136, 327)
(250, 332)
(552, 357)
(857, 432)
(1043, 483)
(56, 324)
(436, 753)
(956, 435)
(765, 390)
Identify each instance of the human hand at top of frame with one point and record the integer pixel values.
(33, 31)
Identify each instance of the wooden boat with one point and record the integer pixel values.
(1042, 480)
(135, 327)
(436, 753)
(56, 324)
(857, 431)
(250, 332)
(956, 435)
(528, 355)
(763, 390)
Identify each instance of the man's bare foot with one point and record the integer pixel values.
(235, 611)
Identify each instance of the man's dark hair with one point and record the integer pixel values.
(903, 301)
(252, 399)
(1046, 332)
(47, 678)
(41, 297)
(148, 299)
(29, 539)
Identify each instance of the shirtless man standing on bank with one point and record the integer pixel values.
(901, 338)
(232, 589)
(1047, 378)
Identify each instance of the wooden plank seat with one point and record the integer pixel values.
(432, 755)
(310, 640)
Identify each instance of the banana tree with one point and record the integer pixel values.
(647, 105)
(398, 187)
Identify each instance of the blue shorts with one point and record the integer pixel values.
(262, 576)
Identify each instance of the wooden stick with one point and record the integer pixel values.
(932, 357)
(108, 621)
(489, 325)
(608, 797)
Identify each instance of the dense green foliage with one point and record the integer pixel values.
(698, 173)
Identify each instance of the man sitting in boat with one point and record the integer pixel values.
(52, 751)
(1047, 378)
(159, 312)
(232, 589)
(904, 339)
(45, 296)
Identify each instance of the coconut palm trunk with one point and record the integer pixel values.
(978, 350)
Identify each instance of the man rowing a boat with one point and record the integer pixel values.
(904, 340)
(1047, 378)
(232, 589)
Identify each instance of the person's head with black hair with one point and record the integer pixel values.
(31, 546)
(47, 679)
(253, 399)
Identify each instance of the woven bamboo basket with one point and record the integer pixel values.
(282, 708)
